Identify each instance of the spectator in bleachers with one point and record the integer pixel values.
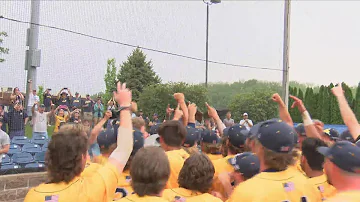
(4, 142)
(139, 124)
(246, 121)
(32, 101)
(76, 102)
(66, 159)
(88, 108)
(17, 97)
(75, 116)
(40, 120)
(98, 110)
(16, 120)
(111, 105)
(61, 118)
(64, 99)
(47, 100)
(228, 121)
(2, 117)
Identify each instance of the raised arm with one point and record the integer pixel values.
(178, 113)
(309, 125)
(59, 93)
(180, 98)
(213, 114)
(283, 110)
(70, 95)
(121, 154)
(347, 114)
(192, 112)
(98, 127)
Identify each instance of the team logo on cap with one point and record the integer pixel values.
(284, 149)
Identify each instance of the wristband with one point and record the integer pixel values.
(306, 118)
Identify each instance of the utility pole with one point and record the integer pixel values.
(207, 45)
(33, 55)
(285, 81)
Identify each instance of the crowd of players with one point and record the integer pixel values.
(273, 161)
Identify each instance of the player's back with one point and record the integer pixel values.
(323, 187)
(214, 156)
(270, 186)
(136, 198)
(176, 159)
(221, 165)
(348, 196)
(181, 194)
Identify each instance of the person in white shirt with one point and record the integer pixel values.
(4, 142)
(246, 121)
(33, 98)
(40, 120)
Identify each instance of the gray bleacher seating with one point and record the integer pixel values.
(5, 159)
(20, 140)
(40, 157)
(45, 146)
(34, 165)
(14, 149)
(22, 158)
(10, 166)
(31, 148)
(39, 139)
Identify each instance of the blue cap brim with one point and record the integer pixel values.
(324, 150)
(231, 160)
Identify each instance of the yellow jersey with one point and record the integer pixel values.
(124, 187)
(347, 196)
(136, 198)
(60, 120)
(214, 156)
(181, 194)
(90, 169)
(321, 184)
(100, 159)
(98, 187)
(221, 165)
(176, 160)
(287, 185)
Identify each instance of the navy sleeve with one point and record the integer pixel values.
(25, 115)
(192, 125)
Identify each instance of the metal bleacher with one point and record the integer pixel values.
(25, 155)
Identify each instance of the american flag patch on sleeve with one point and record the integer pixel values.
(52, 198)
(289, 186)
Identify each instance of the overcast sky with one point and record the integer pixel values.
(324, 47)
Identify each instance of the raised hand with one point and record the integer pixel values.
(178, 113)
(179, 97)
(123, 95)
(276, 98)
(298, 103)
(169, 110)
(338, 91)
(212, 111)
(192, 109)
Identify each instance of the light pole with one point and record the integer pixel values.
(208, 3)
(286, 44)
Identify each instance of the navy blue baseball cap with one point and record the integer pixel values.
(300, 129)
(344, 155)
(138, 141)
(332, 133)
(276, 135)
(192, 136)
(246, 163)
(346, 135)
(106, 138)
(237, 135)
(154, 129)
(209, 136)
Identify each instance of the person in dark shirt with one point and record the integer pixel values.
(75, 116)
(76, 102)
(88, 108)
(64, 99)
(16, 120)
(2, 117)
(47, 100)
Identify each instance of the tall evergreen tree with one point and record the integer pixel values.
(325, 108)
(357, 103)
(110, 80)
(348, 94)
(137, 73)
(320, 102)
(335, 116)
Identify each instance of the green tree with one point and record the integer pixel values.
(110, 80)
(357, 102)
(257, 103)
(348, 94)
(40, 93)
(3, 50)
(155, 98)
(335, 116)
(325, 108)
(137, 73)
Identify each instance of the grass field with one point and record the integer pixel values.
(28, 131)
